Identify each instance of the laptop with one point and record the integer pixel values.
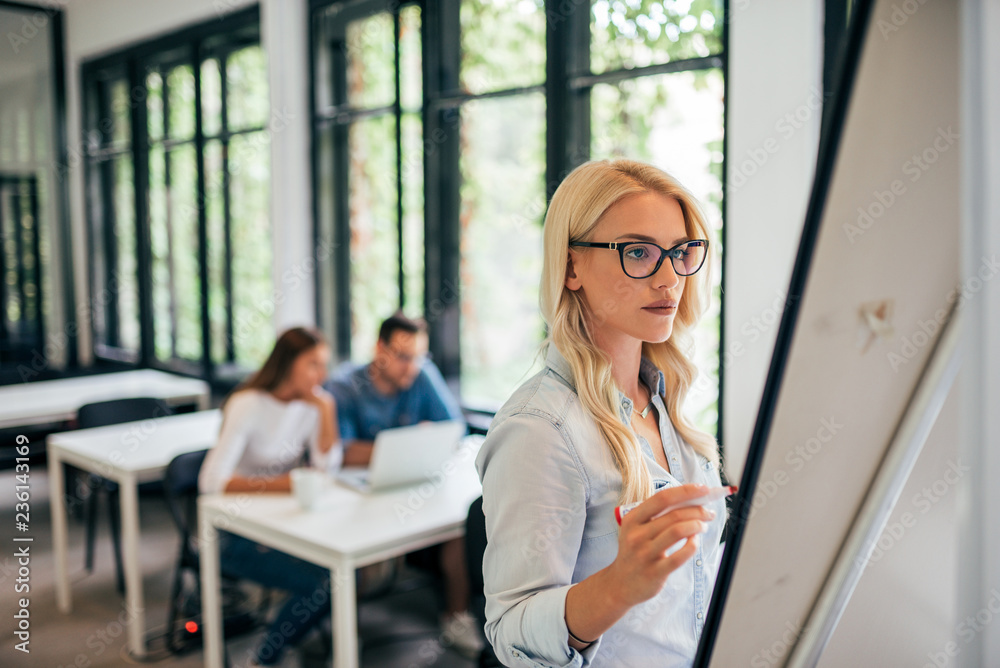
(405, 456)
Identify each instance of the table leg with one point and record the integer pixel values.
(211, 599)
(60, 534)
(345, 616)
(129, 499)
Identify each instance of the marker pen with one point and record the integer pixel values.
(713, 494)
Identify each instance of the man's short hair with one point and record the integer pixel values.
(397, 322)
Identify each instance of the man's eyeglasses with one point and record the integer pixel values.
(641, 259)
(407, 358)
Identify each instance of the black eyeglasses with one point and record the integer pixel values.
(641, 259)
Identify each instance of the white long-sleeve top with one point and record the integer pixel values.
(262, 436)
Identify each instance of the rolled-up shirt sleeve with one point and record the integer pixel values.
(534, 498)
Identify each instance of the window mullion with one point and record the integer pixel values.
(567, 126)
(441, 32)
(108, 218)
(143, 243)
(397, 109)
(200, 200)
(17, 230)
(341, 201)
(169, 217)
(226, 210)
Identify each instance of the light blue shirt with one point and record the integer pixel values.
(550, 487)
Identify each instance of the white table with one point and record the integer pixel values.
(129, 454)
(347, 530)
(47, 401)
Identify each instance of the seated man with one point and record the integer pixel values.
(401, 387)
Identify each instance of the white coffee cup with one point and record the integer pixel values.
(307, 486)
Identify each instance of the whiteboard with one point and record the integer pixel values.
(874, 281)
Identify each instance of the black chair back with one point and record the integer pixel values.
(475, 549)
(180, 487)
(116, 411)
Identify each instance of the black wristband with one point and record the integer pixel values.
(582, 642)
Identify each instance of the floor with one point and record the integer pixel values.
(399, 628)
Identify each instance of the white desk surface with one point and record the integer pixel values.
(24, 404)
(346, 530)
(142, 448)
(128, 453)
(349, 523)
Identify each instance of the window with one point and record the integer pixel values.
(177, 188)
(502, 168)
(657, 95)
(515, 93)
(367, 123)
(37, 311)
(21, 314)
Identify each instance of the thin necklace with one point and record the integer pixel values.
(645, 411)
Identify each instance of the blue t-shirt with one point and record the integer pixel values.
(363, 411)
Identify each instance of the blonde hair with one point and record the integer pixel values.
(576, 207)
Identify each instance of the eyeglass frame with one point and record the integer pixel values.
(620, 247)
(406, 358)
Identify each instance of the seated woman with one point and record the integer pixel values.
(269, 422)
(602, 424)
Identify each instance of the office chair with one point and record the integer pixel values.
(475, 548)
(102, 414)
(180, 487)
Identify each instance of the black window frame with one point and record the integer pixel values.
(192, 45)
(568, 81)
(38, 366)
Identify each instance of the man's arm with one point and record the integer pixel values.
(358, 453)
(437, 402)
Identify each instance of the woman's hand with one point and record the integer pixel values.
(329, 429)
(320, 398)
(640, 569)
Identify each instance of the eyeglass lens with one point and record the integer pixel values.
(640, 259)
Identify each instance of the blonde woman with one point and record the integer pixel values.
(602, 425)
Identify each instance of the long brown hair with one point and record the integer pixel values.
(278, 366)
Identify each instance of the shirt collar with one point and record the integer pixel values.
(648, 373)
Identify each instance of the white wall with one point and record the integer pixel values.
(285, 39)
(979, 429)
(775, 93)
(97, 27)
